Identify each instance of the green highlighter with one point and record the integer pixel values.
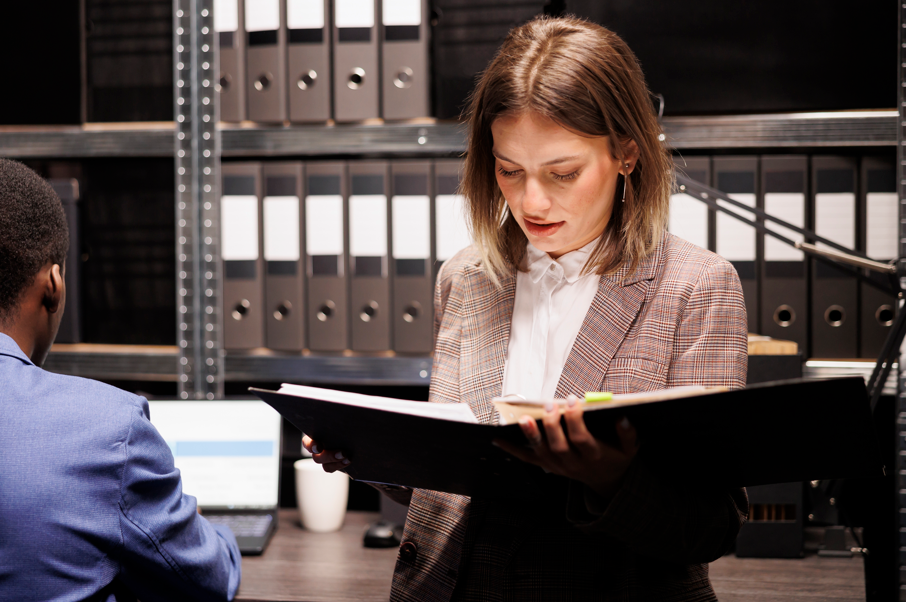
(598, 397)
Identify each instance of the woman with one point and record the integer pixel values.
(572, 285)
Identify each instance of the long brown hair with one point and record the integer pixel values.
(587, 80)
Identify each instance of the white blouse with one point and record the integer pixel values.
(552, 299)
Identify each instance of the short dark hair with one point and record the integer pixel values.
(33, 231)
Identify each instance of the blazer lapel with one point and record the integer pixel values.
(613, 310)
(486, 332)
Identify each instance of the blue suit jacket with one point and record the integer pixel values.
(90, 501)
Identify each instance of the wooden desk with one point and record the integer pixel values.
(300, 566)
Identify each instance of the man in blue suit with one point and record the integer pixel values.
(91, 505)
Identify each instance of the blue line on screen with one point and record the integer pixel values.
(224, 448)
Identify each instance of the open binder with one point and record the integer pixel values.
(794, 430)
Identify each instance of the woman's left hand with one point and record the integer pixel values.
(576, 453)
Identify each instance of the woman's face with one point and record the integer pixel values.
(559, 185)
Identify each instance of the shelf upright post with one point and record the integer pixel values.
(198, 153)
(900, 424)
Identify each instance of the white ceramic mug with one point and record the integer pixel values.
(321, 496)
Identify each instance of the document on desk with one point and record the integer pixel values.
(785, 431)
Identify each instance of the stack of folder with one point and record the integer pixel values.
(315, 60)
(852, 201)
(336, 256)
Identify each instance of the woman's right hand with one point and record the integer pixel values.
(330, 460)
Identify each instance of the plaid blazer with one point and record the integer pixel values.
(679, 319)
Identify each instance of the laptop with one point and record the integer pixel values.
(228, 453)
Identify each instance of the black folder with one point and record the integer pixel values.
(784, 277)
(834, 316)
(880, 240)
(795, 430)
(734, 240)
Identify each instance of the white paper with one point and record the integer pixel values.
(354, 13)
(226, 15)
(368, 225)
(689, 219)
(457, 412)
(281, 228)
(324, 225)
(305, 14)
(239, 227)
(882, 223)
(411, 227)
(402, 12)
(451, 225)
(835, 215)
(736, 240)
(790, 207)
(262, 15)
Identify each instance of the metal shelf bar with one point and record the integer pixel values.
(792, 130)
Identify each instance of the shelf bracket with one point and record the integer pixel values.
(198, 150)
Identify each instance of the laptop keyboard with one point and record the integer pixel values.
(243, 525)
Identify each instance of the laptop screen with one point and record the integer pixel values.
(228, 452)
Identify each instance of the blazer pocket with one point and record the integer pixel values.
(634, 375)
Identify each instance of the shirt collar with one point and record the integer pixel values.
(567, 266)
(9, 347)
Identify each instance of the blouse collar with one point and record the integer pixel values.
(568, 266)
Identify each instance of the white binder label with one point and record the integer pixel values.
(402, 12)
(305, 14)
(835, 215)
(790, 207)
(882, 223)
(354, 13)
(324, 225)
(367, 225)
(262, 15)
(226, 15)
(411, 227)
(689, 219)
(239, 228)
(736, 240)
(451, 225)
(281, 228)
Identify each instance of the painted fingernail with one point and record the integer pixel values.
(345, 462)
(571, 401)
(314, 449)
(624, 424)
(549, 406)
(526, 421)
(339, 455)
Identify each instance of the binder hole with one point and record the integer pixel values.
(784, 316)
(225, 81)
(356, 78)
(307, 80)
(241, 309)
(283, 310)
(835, 315)
(325, 312)
(411, 312)
(884, 315)
(263, 82)
(369, 312)
(403, 78)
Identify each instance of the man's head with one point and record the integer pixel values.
(34, 239)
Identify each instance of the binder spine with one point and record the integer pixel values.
(326, 252)
(284, 268)
(404, 49)
(266, 60)
(736, 241)
(308, 60)
(369, 256)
